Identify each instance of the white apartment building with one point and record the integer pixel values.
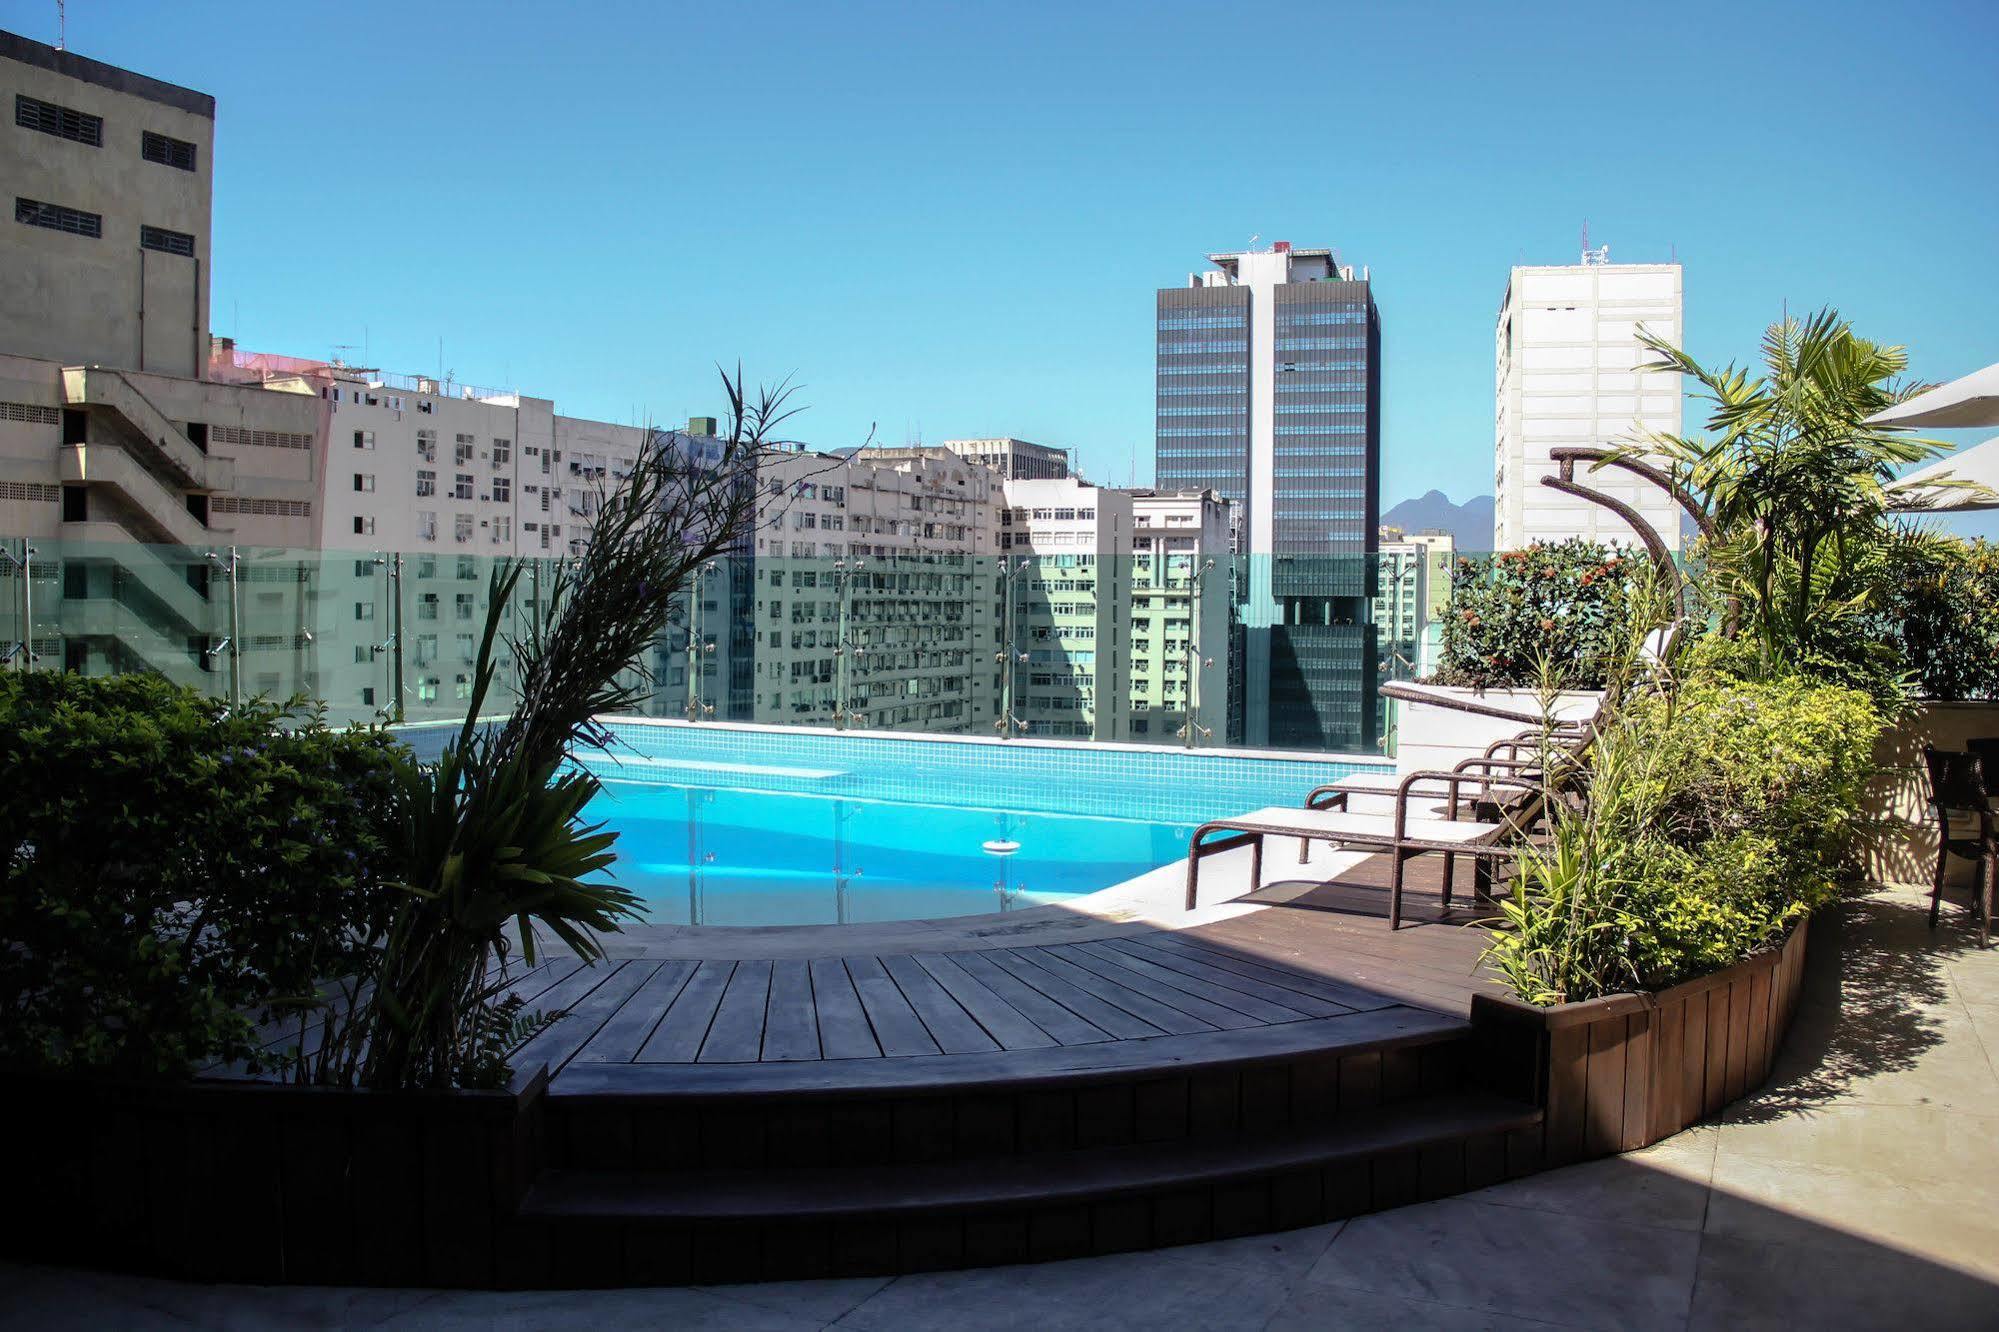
(1181, 575)
(1065, 599)
(1566, 352)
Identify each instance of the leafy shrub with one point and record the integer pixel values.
(171, 864)
(1717, 813)
(1940, 610)
(1568, 605)
(1745, 816)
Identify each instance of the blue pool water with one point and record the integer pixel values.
(722, 825)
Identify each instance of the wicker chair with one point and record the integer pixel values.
(1961, 802)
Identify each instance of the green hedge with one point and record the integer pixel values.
(1568, 604)
(171, 863)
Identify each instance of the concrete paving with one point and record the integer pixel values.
(1855, 1191)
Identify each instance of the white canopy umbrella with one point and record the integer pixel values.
(1979, 465)
(1970, 401)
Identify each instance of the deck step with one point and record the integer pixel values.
(896, 1192)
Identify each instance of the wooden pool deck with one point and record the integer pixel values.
(1316, 963)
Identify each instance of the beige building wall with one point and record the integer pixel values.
(121, 276)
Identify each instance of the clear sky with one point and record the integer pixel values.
(949, 219)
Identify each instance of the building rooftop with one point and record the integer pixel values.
(71, 65)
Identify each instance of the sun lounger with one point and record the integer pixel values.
(1410, 831)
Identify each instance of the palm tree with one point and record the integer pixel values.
(1794, 480)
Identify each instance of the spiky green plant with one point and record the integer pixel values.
(497, 849)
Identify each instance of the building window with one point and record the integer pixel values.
(462, 453)
(461, 526)
(60, 121)
(426, 524)
(503, 529)
(503, 452)
(426, 445)
(58, 218)
(461, 487)
(364, 482)
(364, 439)
(503, 489)
(426, 483)
(166, 242)
(364, 526)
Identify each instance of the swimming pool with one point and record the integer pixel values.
(751, 825)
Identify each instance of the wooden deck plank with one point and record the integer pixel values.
(567, 992)
(791, 1025)
(556, 1045)
(897, 1028)
(1063, 1024)
(678, 1037)
(1244, 1001)
(1163, 1016)
(736, 1036)
(844, 1030)
(1297, 987)
(1129, 978)
(1013, 1029)
(1106, 1016)
(619, 1039)
(535, 983)
(954, 1030)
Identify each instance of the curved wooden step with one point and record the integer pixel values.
(1090, 1175)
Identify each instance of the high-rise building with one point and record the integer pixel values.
(1181, 588)
(1269, 393)
(1566, 352)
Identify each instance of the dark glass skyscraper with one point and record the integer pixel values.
(1269, 379)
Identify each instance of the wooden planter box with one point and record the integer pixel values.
(250, 1182)
(1622, 1072)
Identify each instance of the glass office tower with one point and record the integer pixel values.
(1269, 378)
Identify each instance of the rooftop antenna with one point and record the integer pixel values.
(1600, 255)
(62, 27)
(1253, 240)
(340, 350)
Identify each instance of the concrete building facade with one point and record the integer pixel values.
(1065, 605)
(870, 603)
(107, 259)
(1566, 357)
(1180, 588)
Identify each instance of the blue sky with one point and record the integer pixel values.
(949, 219)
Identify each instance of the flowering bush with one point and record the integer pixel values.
(1567, 604)
(171, 863)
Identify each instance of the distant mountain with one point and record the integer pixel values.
(1470, 523)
